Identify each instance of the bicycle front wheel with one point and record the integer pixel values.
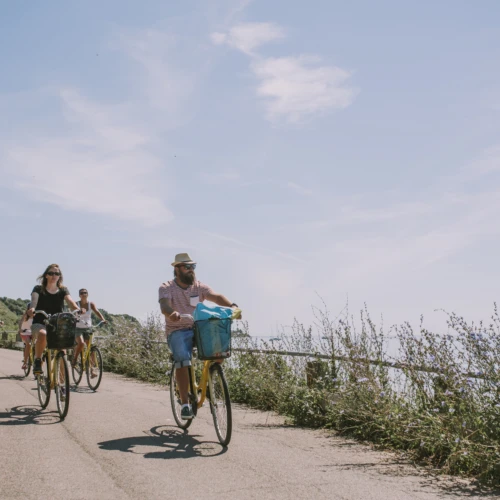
(220, 404)
(94, 368)
(77, 369)
(43, 383)
(175, 400)
(61, 388)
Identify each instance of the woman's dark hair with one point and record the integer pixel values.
(43, 278)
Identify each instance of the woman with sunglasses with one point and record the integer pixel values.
(48, 296)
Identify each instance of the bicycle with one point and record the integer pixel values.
(31, 358)
(55, 374)
(206, 377)
(89, 360)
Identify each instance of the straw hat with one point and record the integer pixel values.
(182, 258)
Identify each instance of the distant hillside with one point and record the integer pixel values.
(11, 311)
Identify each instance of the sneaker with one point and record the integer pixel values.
(187, 413)
(37, 367)
(62, 393)
(93, 373)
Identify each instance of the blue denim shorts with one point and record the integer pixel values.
(181, 345)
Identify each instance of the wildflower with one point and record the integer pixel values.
(464, 424)
(457, 440)
(422, 443)
(448, 393)
(443, 403)
(465, 453)
(452, 410)
(435, 410)
(362, 379)
(382, 394)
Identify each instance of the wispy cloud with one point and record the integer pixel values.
(249, 36)
(294, 87)
(99, 165)
(299, 189)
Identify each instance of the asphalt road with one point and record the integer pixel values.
(122, 443)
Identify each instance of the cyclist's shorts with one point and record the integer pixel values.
(181, 345)
(84, 331)
(35, 329)
(26, 337)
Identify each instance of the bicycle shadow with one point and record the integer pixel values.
(175, 443)
(28, 415)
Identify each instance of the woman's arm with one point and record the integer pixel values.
(72, 303)
(94, 308)
(34, 303)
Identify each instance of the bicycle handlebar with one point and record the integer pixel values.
(39, 311)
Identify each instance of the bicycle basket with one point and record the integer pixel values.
(61, 331)
(213, 338)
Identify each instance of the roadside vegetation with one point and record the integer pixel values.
(441, 407)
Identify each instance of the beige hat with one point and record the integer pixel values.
(182, 258)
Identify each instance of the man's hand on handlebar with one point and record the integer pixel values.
(175, 316)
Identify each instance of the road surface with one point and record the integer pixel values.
(122, 443)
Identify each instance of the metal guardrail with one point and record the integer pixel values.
(317, 356)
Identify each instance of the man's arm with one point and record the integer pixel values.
(168, 310)
(219, 299)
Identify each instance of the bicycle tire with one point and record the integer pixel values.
(77, 369)
(175, 400)
(220, 404)
(61, 387)
(43, 383)
(95, 381)
(27, 370)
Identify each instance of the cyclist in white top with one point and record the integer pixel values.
(25, 333)
(84, 325)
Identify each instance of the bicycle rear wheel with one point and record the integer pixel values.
(175, 400)
(77, 369)
(43, 383)
(28, 367)
(220, 404)
(94, 368)
(61, 388)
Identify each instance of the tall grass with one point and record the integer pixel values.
(442, 407)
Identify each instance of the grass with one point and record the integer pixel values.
(447, 417)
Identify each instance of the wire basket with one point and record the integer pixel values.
(213, 338)
(61, 330)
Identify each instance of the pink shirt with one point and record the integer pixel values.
(183, 301)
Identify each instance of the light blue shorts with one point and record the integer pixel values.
(181, 345)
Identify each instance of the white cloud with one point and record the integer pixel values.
(296, 87)
(98, 165)
(249, 36)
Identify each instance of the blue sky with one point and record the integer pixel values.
(296, 150)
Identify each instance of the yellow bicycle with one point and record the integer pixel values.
(206, 375)
(55, 374)
(90, 362)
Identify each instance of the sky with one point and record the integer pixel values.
(305, 154)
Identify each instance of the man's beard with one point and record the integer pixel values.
(187, 279)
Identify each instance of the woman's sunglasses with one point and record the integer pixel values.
(53, 273)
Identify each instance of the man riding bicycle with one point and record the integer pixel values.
(180, 296)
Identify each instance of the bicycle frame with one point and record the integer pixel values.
(203, 383)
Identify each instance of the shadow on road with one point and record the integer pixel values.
(26, 415)
(13, 377)
(173, 443)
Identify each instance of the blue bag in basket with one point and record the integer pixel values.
(212, 331)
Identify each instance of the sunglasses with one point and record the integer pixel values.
(84, 293)
(189, 266)
(53, 273)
